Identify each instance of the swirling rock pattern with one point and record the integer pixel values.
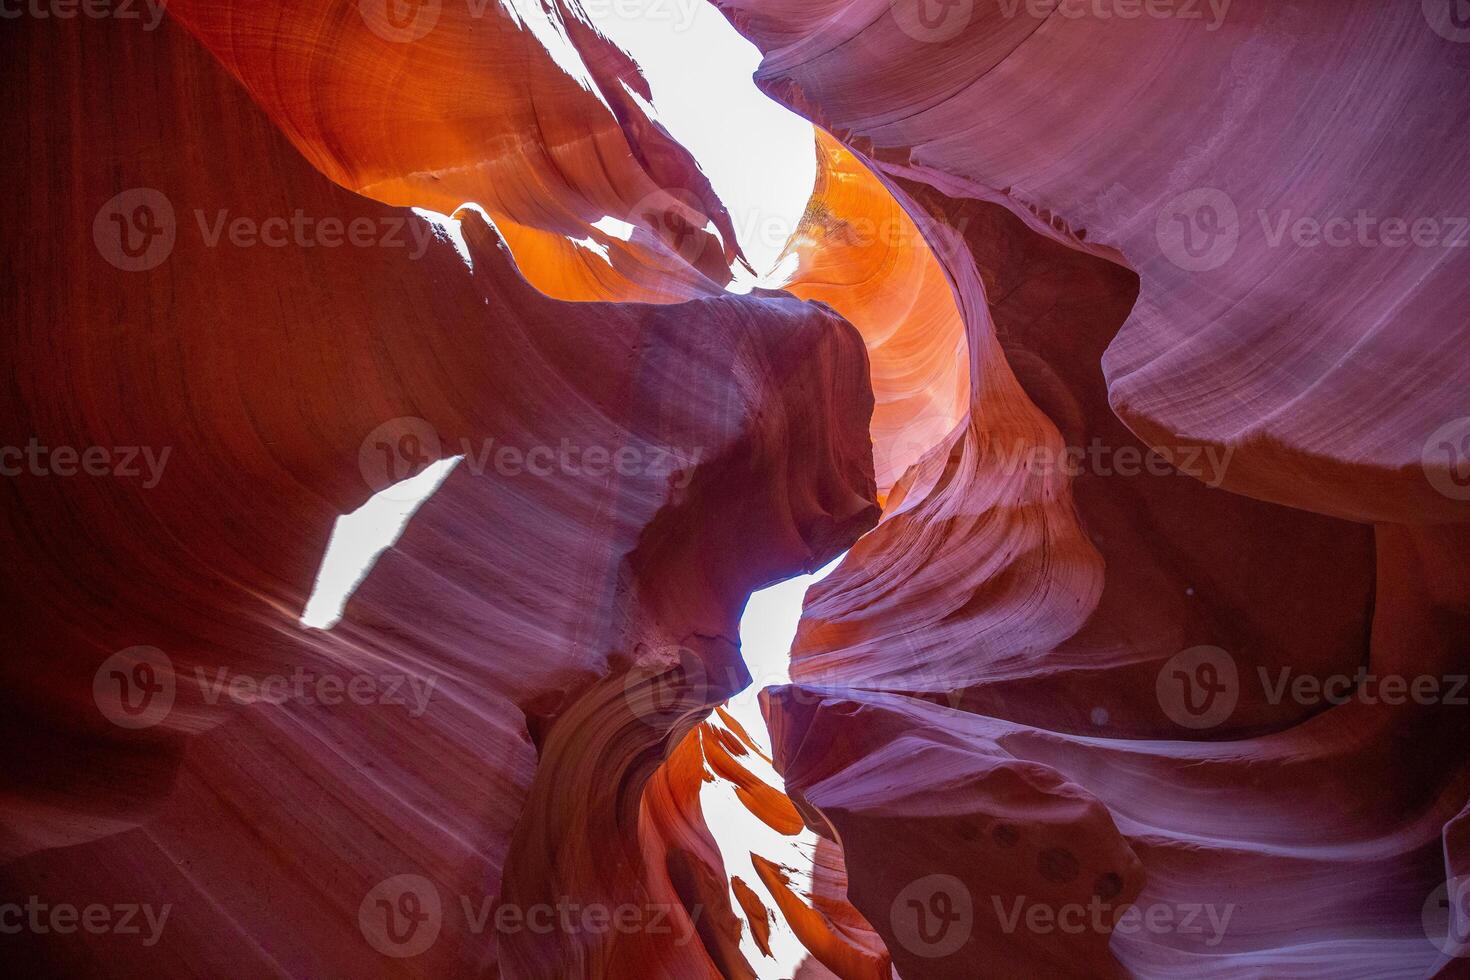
(1117, 202)
(519, 664)
(1145, 330)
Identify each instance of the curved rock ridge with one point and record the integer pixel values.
(1212, 452)
(418, 791)
(856, 250)
(518, 107)
(1300, 245)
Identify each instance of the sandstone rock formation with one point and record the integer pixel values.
(1124, 353)
(1105, 195)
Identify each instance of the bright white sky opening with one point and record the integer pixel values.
(360, 537)
(766, 631)
(759, 155)
(760, 158)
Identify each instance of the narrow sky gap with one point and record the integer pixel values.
(360, 537)
(766, 630)
(759, 156)
(761, 161)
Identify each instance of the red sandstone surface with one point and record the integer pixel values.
(1123, 353)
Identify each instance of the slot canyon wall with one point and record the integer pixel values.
(1124, 355)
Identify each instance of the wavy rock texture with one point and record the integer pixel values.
(1144, 447)
(565, 629)
(518, 107)
(859, 252)
(986, 688)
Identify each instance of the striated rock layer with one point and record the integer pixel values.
(1144, 331)
(1202, 453)
(509, 677)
